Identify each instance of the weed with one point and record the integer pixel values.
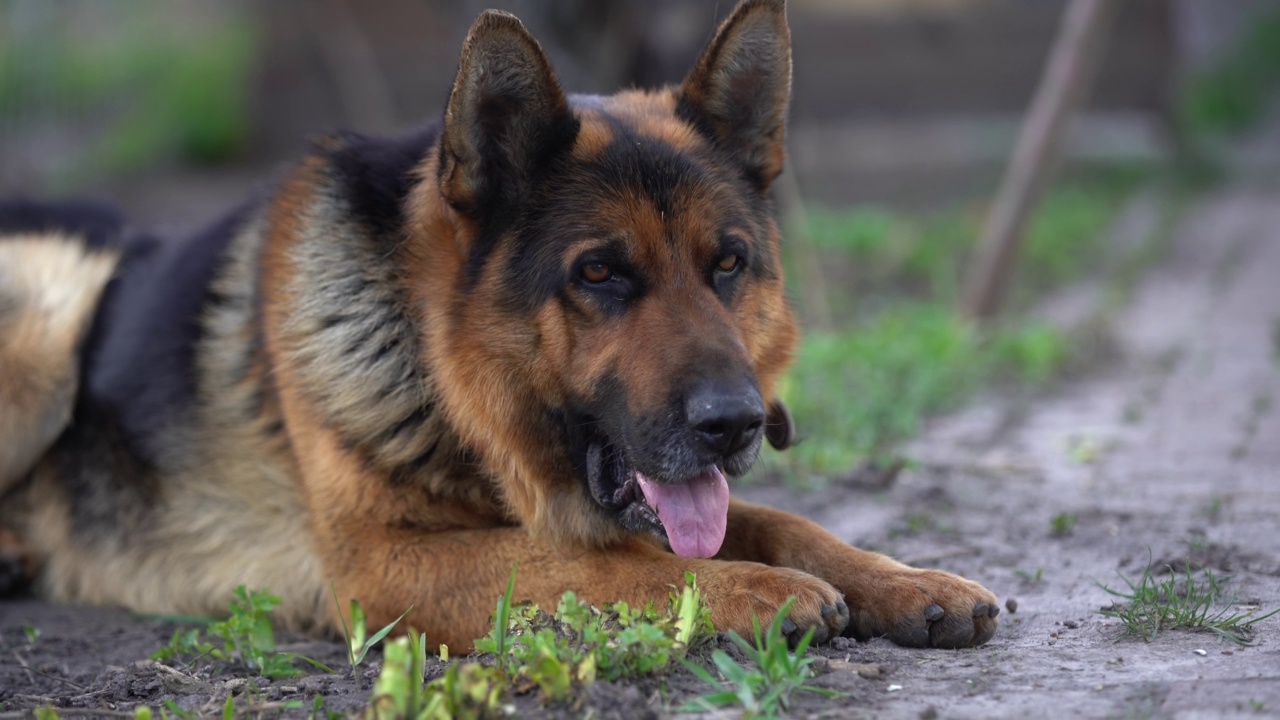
(1197, 543)
(582, 643)
(1084, 450)
(1233, 94)
(497, 641)
(465, 691)
(359, 643)
(914, 524)
(246, 636)
(160, 91)
(1192, 601)
(897, 353)
(1031, 578)
(871, 389)
(1062, 524)
(32, 633)
(171, 709)
(764, 690)
(1213, 508)
(532, 651)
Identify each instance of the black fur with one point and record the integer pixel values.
(100, 225)
(377, 175)
(138, 358)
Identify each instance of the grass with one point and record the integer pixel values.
(147, 83)
(1232, 94)
(1192, 600)
(556, 656)
(1030, 577)
(898, 353)
(529, 651)
(1062, 524)
(764, 690)
(246, 637)
(358, 640)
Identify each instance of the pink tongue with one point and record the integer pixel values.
(694, 512)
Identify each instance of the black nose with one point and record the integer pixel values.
(725, 416)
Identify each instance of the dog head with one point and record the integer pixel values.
(616, 320)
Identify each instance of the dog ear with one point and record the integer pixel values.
(739, 90)
(779, 427)
(506, 115)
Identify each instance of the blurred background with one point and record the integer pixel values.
(905, 113)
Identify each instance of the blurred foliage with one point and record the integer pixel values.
(151, 84)
(1232, 95)
(900, 353)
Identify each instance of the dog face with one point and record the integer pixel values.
(619, 279)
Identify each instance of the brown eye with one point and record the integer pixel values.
(596, 272)
(728, 263)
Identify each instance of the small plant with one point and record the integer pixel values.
(32, 634)
(582, 643)
(466, 691)
(359, 642)
(766, 689)
(170, 709)
(1029, 577)
(532, 651)
(497, 641)
(246, 635)
(1062, 524)
(1192, 601)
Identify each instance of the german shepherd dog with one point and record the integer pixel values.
(540, 333)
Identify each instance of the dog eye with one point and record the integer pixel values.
(596, 272)
(728, 263)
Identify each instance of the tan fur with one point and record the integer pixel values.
(370, 416)
(231, 516)
(49, 288)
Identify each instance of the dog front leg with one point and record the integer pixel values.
(913, 607)
(453, 579)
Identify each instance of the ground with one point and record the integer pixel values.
(1167, 453)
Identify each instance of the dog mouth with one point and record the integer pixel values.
(691, 512)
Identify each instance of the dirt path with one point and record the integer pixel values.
(1172, 454)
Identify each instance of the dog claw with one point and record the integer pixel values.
(788, 627)
(934, 613)
(981, 609)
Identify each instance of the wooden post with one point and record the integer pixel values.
(1072, 62)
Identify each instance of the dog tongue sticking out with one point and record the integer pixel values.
(694, 512)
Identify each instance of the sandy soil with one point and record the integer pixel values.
(1171, 453)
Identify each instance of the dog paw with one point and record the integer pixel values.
(924, 608)
(742, 593)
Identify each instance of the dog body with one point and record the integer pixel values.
(541, 334)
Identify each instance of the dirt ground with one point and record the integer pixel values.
(1168, 453)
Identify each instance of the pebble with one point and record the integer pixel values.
(1011, 605)
(1200, 652)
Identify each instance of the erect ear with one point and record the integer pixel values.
(506, 115)
(738, 92)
